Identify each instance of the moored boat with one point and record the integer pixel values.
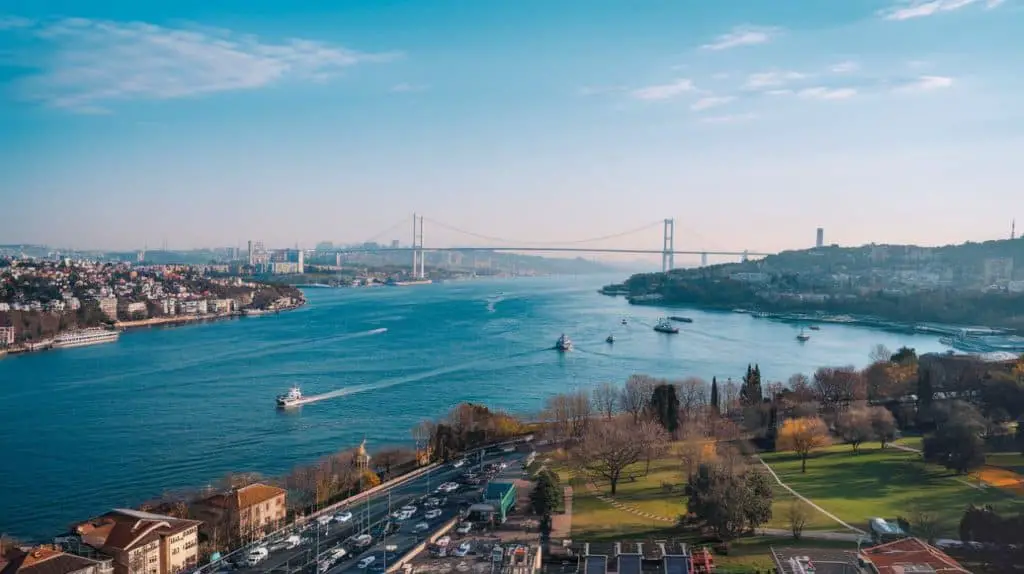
(665, 326)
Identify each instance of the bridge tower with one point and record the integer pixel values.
(744, 259)
(418, 267)
(668, 249)
(703, 259)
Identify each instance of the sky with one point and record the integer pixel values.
(751, 123)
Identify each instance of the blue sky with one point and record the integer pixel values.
(750, 122)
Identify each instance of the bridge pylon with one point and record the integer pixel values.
(418, 266)
(668, 246)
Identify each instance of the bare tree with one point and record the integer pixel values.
(854, 425)
(693, 395)
(655, 440)
(880, 353)
(606, 398)
(580, 413)
(774, 389)
(693, 447)
(800, 388)
(924, 524)
(636, 395)
(731, 394)
(883, 424)
(608, 448)
(797, 514)
(836, 388)
(557, 415)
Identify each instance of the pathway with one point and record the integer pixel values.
(808, 501)
(561, 524)
(625, 507)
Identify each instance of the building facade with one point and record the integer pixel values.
(6, 336)
(142, 542)
(246, 513)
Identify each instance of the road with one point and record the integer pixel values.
(370, 514)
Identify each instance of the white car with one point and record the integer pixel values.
(365, 562)
(433, 501)
(432, 514)
(409, 508)
(404, 515)
(459, 463)
(464, 528)
(421, 527)
(362, 541)
(343, 516)
(256, 555)
(462, 550)
(324, 519)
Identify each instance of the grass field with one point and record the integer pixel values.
(885, 483)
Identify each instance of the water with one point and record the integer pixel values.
(87, 429)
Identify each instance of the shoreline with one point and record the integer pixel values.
(154, 322)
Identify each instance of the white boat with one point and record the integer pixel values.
(803, 337)
(563, 343)
(83, 337)
(293, 398)
(666, 326)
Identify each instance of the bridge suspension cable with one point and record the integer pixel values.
(402, 222)
(520, 242)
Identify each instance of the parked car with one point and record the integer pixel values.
(432, 514)
(421, 527)
(463, 549)
(256, 555)
(362, 541)
(343, 516)
(464, 528)
(409, 508)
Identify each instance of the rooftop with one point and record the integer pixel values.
(911, 555)
(824, 561)
(246, 496)
(44, 560)
(124, 528)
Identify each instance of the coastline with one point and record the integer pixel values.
(174, 321)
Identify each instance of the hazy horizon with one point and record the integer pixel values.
(751, 124)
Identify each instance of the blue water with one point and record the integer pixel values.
(83, 430)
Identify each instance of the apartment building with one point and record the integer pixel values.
(6, 336)
(50, 560)
(108, 306)
(142, 542)
(245, 512)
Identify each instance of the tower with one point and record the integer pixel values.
(703, 259)
(362, 458)
(668, 249)
(418, 263)
(820, 240)
(1013, 229)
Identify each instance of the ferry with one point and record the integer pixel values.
(293, 398)
(83, 337)
(664, 326)
(563, 343)
(681, 319)
(396, 283)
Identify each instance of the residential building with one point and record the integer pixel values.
(246, 512)
(143, 542)
(284, 267)
(201, 307)
(108, 306)
(220, 305)
(998, 270)
(188, 307)
(51, 560)
(909, 555)
(6, 336)
(133, 310)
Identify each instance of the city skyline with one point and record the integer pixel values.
(751, 125)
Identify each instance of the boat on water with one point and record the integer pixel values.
(83, 337)
(396, 283)
(610, 339)
(665, 326)
(681, 319)
(624, 321)
(814, 328)
(563, 343)
(803, 337)
(291, 399)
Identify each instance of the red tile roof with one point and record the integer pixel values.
(44, 560)
(896, 557)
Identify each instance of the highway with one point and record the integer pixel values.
(371, 513)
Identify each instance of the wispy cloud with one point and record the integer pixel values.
(823, 93)
(908, 9)
(926, 84)
(728, 119)
(663, 91)
(13, 22)
(710, 102)
(772, 79)
(599, 90)
(743, 36)
(88, 63)
(845, 67)
(405, 88)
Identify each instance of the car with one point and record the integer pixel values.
(404, 515)
(463, 549)
(464, 528)
(362, 541)
(324, 519)
(432, 501)
(459, 463)
(256, 555)
(432, 514)
(343, 516)
(365, 562)
(421, 527)
(509, 448)
(409, 508)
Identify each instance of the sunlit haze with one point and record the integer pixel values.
(196, 123)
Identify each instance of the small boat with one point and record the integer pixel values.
(814, 328)
(293, 398)
(803, 337)
(681, 319)
(610, 339)
(563, 343)
(623, 321)
(664, 326)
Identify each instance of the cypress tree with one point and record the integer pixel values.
(714, 394)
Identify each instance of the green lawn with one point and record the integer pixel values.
(1009, 460)
(781, 501)
(885, 483)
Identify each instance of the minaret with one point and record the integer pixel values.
(1013, 229)
(362, 457)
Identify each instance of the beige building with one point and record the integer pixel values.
(50, 560)
(108, 306)
(6, 336)
(246, 513)
(142, 542)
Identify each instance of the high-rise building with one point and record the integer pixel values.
(820, 242)
(257, 254)
(395, 244)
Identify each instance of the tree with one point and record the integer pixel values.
(750, 391)
(636, 395)
(883, 425)
(880, 354)
(606, 396)
(924, 524)
(904, 355)
(387, 459)
(797, 514)
(800, 389)
(546, 494)
(729, 502)
(608, 448)
(854, 426)
(370, 479)
(693, 396)
(956, 443)
(836, 388)
(803, 436)
(665, 407)
(731, 394)
(714, 395)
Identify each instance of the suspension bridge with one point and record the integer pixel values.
(667, 251)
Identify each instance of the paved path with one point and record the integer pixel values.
(808, 501)
(812, 534)
(956, 478)
(625, 507)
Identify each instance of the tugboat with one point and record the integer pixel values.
(610, 339)
(563, 344)
(293, 398)
(802, 337)
(664, 326)
(681, 319)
